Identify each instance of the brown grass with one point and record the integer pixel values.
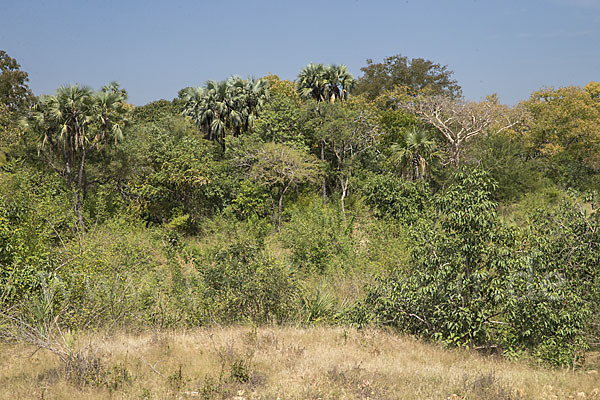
(285, 363)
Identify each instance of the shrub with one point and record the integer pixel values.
(474, 281)
(242, 282)
(393, 197)
(319, 236)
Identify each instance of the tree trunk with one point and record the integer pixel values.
(344, 185)
(324, 188)
(279, 208)
(79, 190)
(455, 154)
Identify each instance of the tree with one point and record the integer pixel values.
(226, 106)
(414, 153)
(312, 83)
(345, 132)
(175, 175)
(324, 84)
(115, 87)
(248, 97)
(416, 74)
(280, 119)
(565, 131)
(280, 167)
(14, 91)
(459, 121)
(15, 99)
(73, 123)
(339, 82)
(458, 264)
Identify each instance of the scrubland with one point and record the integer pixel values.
(246, 362)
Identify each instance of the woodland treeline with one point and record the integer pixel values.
(384, 200)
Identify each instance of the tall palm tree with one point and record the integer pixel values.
(246, 98)
(225, 106)
(195, 107)
(312, 82)
(414, 153)
(109, 112)
(324, 83)
(71, 124)
(339, 82)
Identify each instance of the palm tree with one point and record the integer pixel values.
(324, 83)
(414, 153)
(225, 106)
(115, 87)
(312, 82)
(246, 99)
(195, 107)
(109, 111)
(339, 82)
(72, 123)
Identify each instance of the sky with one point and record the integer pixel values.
(155, 48)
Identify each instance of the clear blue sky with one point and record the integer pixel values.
(155, 48)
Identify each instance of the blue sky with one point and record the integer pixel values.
(155, 48)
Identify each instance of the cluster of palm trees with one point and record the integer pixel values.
(229, 106)
(325, 82)
(72, 123)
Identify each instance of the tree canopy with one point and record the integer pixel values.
(14, 91)
(416, 75)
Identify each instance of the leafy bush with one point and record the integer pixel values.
(243, 282)
(32, 220)
(393, 197)
(319, 236)
(474, 281)
(555, 299)
(103, 275)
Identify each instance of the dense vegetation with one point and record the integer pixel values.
(384, 200)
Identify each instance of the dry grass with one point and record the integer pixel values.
(285, 363)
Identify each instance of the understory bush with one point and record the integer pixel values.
(242, 281)
(319, 236)
(473, 280)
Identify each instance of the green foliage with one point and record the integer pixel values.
(243, 282)
(318, 305)
(393, 197)
(224, 107)
(73, 125)
(280, 167)
(450, 289)
(564, 133)
(504, 157)
(280, 121)
(325, 83)
(251, 200)
(14, 91)
(319, 237)
(103, 276)
(169, 229)
(23, 254)
(31, 222)
(156, 112)
(557, 292)
(416, 74)
(472, 280)
(177, 174)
